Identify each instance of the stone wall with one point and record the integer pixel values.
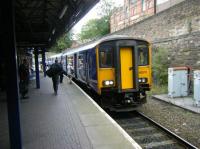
(176, 29)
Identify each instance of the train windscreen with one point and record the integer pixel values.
(143, 54)
(106, 57)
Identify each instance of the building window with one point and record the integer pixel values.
(143, 5)
(121, 17)
(133, 11)
(149, 4)
(133, 2)
(126, 10)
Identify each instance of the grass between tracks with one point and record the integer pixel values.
(158, 89)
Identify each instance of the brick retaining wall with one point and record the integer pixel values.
(176, 29)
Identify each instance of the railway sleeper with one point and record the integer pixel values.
(150, 139)
(138, 124)
(148, 135)
(168, 144)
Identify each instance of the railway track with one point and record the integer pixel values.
(146, 132)
(149, 134)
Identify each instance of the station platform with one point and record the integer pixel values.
(70, 120)
(187, 103)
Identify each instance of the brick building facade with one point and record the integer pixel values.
(136, 10)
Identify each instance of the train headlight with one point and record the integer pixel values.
(142, 80)
(111, 82)
(108, 83)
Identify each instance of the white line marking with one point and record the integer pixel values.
(125, 134)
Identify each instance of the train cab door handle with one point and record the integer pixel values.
(130, 68)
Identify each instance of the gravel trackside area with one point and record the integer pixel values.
(182, 122)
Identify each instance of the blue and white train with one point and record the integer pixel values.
(117, 68)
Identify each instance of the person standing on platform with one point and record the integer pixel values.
(24, 78)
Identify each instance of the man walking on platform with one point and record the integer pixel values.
(56, 71)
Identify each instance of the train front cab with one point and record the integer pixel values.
(124, 73)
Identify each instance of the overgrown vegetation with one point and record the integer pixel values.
(94, 29)
(160, 65)
(65, 41)
(97, 28)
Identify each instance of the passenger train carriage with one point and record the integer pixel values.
(117, 68)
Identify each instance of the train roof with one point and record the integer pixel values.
(92, 44)
(56, 55)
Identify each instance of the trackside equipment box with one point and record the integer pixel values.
(197, 87)
(178, 82)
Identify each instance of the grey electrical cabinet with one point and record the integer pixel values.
(197, 87)
(177, 82)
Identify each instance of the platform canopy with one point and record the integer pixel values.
(40, 22)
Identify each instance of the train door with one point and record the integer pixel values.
(92, 69)
(75, 65)
(82, 64)
(126, 61)
(70, 64)
(85, 66)
(127, 66)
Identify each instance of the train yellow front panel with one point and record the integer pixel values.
(144, 72)
(106, 74)
(126, 64)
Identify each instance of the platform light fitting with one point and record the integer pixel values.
(63, 12)
(53, 31)
(78, 13)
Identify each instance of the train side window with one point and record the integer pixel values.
(80, 61)
(106, 58)
(70, 61)
(143, 55)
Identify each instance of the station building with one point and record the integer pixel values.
(134, 11)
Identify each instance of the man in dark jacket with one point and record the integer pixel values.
(24, 78)
(57, 70)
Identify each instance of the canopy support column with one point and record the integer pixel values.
(37, 69)
(43, 62)
(12, 88)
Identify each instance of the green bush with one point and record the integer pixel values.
(160, 65)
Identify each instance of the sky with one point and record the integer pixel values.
(161, 1)
(91, 15)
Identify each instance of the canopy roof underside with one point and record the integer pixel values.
(40, 22)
